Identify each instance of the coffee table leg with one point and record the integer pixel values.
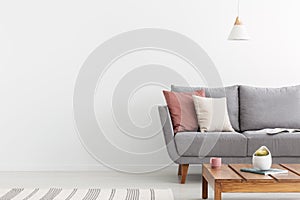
(204, 188)
(218, 192)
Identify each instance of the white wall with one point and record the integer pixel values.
(43, 45)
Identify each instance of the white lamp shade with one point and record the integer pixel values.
(239, 32)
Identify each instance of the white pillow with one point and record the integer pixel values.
(212, 114)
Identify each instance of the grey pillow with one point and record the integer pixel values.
(231, 94)
(269, 107)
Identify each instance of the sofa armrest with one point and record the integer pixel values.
(167, 129)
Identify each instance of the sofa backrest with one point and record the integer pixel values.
(231, 94)
(262, 108)
(255, 108)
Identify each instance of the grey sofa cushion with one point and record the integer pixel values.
(283, 144)
(231, 94)
(269, 107)
(229, 144)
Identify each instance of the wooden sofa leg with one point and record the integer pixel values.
(184, 171)
(179, 170)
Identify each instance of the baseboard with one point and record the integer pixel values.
(53, 168)
(9, 168)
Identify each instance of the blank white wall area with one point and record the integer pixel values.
(43, 45)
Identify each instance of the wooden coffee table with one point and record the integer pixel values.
(229, 178)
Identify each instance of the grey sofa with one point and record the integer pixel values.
(250, 109)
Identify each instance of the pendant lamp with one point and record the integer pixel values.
(239, 31)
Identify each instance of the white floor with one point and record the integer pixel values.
(109, 179)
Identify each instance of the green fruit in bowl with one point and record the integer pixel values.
(262, 152)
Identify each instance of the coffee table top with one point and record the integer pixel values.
(232, 173)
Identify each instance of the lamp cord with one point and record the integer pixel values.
(238, 8)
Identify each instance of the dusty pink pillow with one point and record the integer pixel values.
(182, 109)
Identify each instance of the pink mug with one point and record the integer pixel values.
(215, 162)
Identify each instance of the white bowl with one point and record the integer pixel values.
(262, 162)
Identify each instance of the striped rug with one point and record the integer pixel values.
(85, 194)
